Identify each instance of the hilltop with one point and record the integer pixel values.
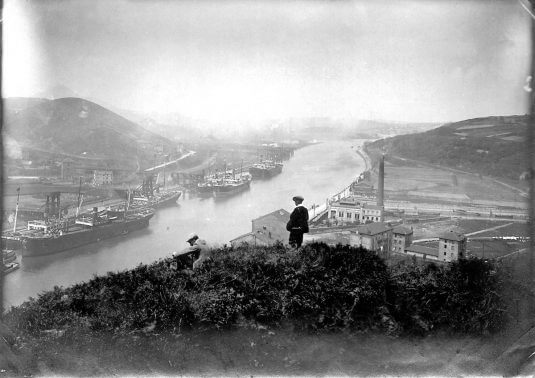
(77, 127)
(270, 310)
(491, 146)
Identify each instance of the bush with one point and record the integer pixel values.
(320, 287)
(462, 296)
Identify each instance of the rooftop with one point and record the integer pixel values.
(422, 250)
(452, 235)
(280, 214)
(402, 230)
(370, 206)
(373, 228)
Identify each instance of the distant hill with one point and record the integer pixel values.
(493, 146)
(77, 127)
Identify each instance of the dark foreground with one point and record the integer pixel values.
(270, 311)
(269, 351)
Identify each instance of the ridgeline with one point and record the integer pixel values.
(491, 146)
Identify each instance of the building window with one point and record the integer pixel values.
(340, 214)
(445, 246)
(349, 215)
(444, 253)
(452, 247)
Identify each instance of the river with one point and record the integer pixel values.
(315, 172)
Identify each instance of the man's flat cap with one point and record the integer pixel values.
(298, 198)
(192, 236)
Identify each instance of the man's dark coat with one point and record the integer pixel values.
(297, 225)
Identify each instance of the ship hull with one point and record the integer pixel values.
(265, 172)
(40, 246)
(11, 242)
(227, 190)
(167, 201)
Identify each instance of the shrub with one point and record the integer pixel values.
(320, 287)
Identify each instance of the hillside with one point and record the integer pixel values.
(493, 146)
(268, 310)
(74, 126)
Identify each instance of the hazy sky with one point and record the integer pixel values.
(396, 60)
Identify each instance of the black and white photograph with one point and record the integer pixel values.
(267, 188)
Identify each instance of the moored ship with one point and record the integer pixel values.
(156, 201)
(44, 238)
(225, 183)
(265, 169)
(232, 184)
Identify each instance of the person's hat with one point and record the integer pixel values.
(192, 236)
(298, 198)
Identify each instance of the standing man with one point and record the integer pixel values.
(298, 223)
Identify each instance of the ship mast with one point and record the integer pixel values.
(164, 163)
(79, 197)
(16, 210)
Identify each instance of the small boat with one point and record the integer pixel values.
(8, 256)
(8, 268)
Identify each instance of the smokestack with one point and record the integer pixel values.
(381, 188)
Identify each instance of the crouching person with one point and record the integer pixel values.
(205, 253)
(193, 256)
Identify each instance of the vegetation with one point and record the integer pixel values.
(469, 145)
(318, 288)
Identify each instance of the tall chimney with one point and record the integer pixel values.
(381, 188)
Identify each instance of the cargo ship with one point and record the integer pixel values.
(232, 184)
(265, 169)
(133, 204)
(45, 238)
(225, 183)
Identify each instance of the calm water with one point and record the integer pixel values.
(315, 172)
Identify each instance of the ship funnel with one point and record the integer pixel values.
(95, 214)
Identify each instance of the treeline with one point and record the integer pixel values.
(318, 288)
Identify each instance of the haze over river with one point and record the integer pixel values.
(316, 172)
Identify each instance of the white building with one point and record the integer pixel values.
(346, 210)
(354, 210)
(372, 213)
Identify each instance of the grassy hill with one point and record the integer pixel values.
(269, 310)
(492, 146)
(74, 126)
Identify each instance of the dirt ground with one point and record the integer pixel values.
(264, 351)
(405, 180)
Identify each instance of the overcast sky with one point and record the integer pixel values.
(236, 60)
